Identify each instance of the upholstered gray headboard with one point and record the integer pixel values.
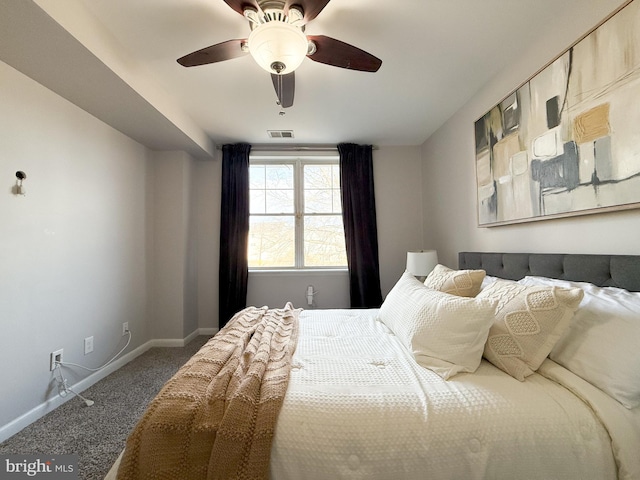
(621, 271)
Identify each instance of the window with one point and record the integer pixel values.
(295, 213)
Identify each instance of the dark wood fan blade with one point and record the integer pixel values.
(340, 54)
(285, 86)
(215, 53)
(311, 8)
(240, 5)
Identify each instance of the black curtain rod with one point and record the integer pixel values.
(293, 148)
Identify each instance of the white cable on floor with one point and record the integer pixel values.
(64, 389)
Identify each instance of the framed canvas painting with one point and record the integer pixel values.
(567, 142)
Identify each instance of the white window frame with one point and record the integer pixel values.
(298, 161)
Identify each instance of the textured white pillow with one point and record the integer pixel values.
(529, 321)
(446, 333)
(602, 343)
(465, 283)
(488, 280)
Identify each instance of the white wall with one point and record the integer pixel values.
(449, 173)
(397, 174)
(399, 197)
(174, 249)
(208, 201)
(73, 251)
(275, 290)
(109, 232)
(184, 264)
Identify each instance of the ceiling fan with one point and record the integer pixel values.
(278, 43)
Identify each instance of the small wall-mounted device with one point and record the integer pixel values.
(310, 294)
(19, 189)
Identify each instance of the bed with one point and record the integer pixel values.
(370, 395)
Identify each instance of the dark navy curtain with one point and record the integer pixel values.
(360, 229)
(234, 230)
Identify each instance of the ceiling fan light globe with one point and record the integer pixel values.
(278, 43)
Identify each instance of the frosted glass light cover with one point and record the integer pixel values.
(278, 42)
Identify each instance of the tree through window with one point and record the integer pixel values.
(295, 214)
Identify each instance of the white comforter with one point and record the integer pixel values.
(358, 406)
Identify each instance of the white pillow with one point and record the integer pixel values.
(488, 280)
(602, 343)
(464, 283)
(529, 321)
(446, 333)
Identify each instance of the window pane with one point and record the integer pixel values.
(256, 176)
(271, 189)
(273, 209)
(335, 175)
(272, 241)
(279, 176)
(257, 201)
(318, 201)
(337, 201)
(321, 186)
(317, 176)
(280, 201)
(324, 244)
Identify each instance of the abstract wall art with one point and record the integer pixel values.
(567, 142)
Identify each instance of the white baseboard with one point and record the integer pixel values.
(177, 342)
(13, 427)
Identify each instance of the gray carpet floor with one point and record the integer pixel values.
(97, 434)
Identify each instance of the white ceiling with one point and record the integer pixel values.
(436, 55)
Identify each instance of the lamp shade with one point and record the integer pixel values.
(420, 263)
(278, 47)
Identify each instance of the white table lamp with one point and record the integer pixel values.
(420, 263)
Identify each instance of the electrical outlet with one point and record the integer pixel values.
(88, 345)
(55, 357)
(125, 328)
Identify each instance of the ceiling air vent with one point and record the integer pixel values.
(280, 133)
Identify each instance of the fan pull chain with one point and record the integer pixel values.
(279, 102)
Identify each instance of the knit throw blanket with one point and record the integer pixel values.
(215, 419)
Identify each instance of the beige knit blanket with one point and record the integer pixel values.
(215, 418)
